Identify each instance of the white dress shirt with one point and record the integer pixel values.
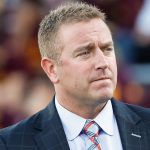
(73, 124)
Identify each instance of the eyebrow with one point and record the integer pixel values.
(105, 45)
(92, 45)
(86, 46)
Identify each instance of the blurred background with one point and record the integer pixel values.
(24, 87)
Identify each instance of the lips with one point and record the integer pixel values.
(101, 78)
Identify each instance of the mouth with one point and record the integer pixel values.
(102, 78)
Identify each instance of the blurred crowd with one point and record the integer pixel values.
(25, 89)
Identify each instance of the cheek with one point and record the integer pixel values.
(75, 72)
(69, 71)
(114, 70)
(113, 64)
(115, 67)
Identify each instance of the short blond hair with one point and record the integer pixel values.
(48, 39)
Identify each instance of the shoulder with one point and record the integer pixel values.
(20, 127)
(26, 130)
(31, 123)
(23, 131)
(130, 111)
(143, 112)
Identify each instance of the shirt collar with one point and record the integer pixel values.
(72, 128)
(105, 119)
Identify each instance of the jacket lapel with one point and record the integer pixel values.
(51, 134)
(129, 125)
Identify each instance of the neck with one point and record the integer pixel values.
(87, 111)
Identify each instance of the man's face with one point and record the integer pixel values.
(87, 72)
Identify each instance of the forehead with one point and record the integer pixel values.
(94, 30)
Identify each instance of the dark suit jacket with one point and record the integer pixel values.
(44, 131)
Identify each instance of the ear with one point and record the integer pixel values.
(49, 66)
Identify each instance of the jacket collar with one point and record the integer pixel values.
(129, 124)
(51, 135)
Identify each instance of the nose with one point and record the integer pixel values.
(101, 61)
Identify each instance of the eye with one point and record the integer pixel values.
(84, 53)
(108, 49)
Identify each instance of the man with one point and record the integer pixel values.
(78, 56)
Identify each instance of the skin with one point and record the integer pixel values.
(86, 75)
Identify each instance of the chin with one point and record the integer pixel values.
(105, 96)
